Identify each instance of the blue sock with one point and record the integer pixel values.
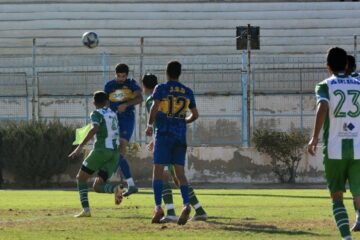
(185, 194)
(157, 187)
(124, 166)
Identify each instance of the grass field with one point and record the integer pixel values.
(234, 214)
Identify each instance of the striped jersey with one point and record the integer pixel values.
(342, 123)
(108, 133)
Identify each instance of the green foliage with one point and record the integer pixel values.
(285, 150)
(36, 151)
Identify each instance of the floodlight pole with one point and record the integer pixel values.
(248, 100)
(140, 77)
(34, 82)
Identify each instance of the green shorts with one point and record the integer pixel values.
(337, 172)
(104, 161)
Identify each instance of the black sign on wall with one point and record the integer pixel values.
(241, 37)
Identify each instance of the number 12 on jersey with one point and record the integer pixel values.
(177, 106)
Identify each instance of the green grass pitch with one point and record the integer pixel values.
(233, 214)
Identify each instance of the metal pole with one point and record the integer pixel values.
(248, 102)
(104, 61)
(355, 48)
(33, 100)
(244, 129)
(141, 74)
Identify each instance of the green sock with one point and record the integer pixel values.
(108, 188)
(168, 199)
(341, 218)
(195, 202)
(83, 191)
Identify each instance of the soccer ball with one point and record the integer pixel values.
(90, 39)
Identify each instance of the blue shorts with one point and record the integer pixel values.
(169, 150)
(126, 124)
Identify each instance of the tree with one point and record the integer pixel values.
(285, 150)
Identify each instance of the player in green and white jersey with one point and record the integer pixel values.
(338, 112)
(104, 156)
(149, 82)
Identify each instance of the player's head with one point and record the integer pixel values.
(336, 60)
(351, 64)
(149, 81)
(122, 72)
(173, 70)
(101, 99)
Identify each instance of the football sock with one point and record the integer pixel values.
(130, 182)
(195, 202)
(124, 166)
(108, 188)
(168, 199)
(341, 218)
(157, 187)
(83, 191)
(184, 189)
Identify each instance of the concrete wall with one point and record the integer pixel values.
(231, 164)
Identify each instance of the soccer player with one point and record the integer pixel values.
(124, 94)
(171, 103)
(351, 67)
(149, 82)
(104, 156)
(338, 112)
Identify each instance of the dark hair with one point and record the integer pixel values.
(173, 69)
(149, 81)
(351, 64)
(122, 68)
(336, 59)
(100, 97)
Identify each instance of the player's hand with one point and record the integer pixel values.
(76, 152)
(150, 146)
(149, 131)
(122, 107)
(311, 148)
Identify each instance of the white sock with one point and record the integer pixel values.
(130, 182)
(196, 206)
(347, 238)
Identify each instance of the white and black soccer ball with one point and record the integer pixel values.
(90, 39)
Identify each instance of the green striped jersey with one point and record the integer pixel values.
(108, 133)
(342, 123)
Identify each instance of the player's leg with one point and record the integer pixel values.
(336, 176)
(162, 150)
(178, 155)
(101, 184)
(126, 126)
(354, 183)
(167, 196)
(200, 214)
(89, 166)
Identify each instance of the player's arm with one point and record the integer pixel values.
(136, 100)
(194, 114)
(321, 112)
(94, 129)
(153, 111)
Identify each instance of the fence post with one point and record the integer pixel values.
(140, 77)
(355, 47)
(105, 67)
(34, 85)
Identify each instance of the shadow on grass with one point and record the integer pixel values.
(260, 228)
(267, 195)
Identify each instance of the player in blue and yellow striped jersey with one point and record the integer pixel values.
(172, 100)
(149, 82)
(124, 93)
